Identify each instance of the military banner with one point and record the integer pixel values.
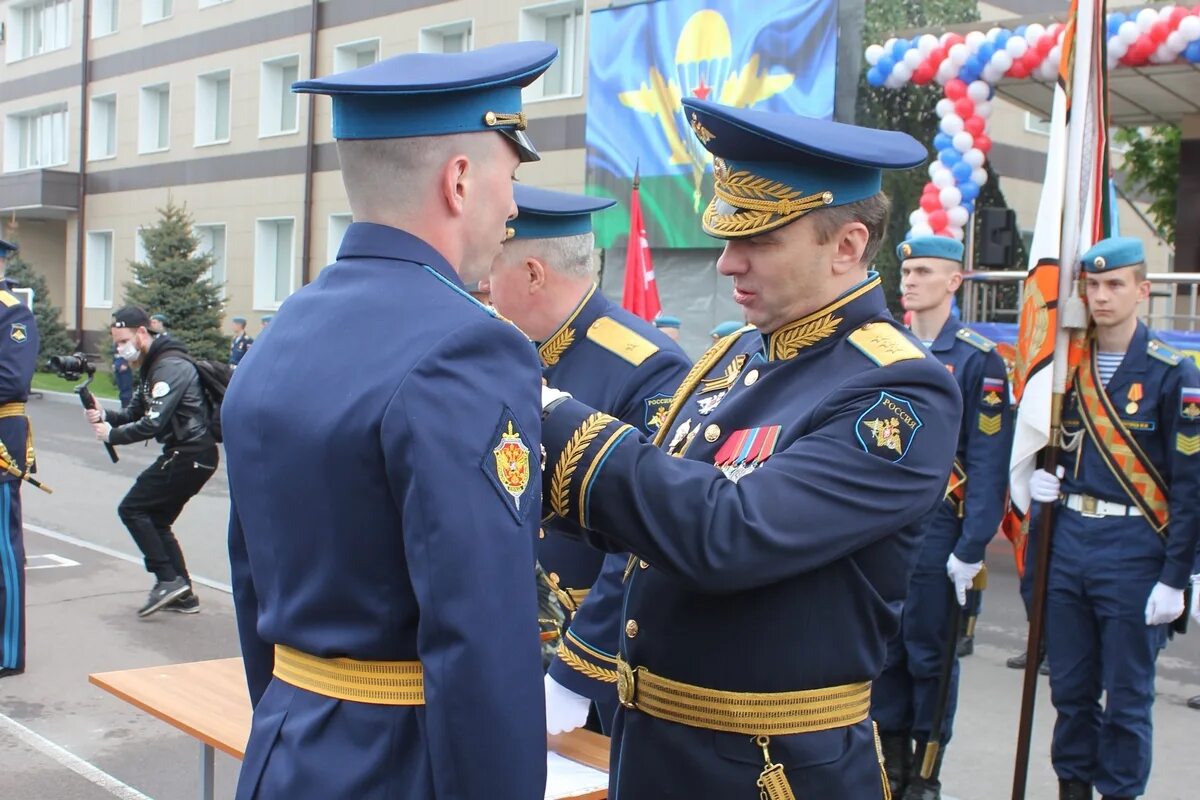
(777, 55)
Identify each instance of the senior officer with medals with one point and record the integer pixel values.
(773, 531)
(1125, 530)
(385, 507)
(956, 534)
(545, 282)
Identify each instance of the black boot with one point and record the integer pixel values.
(897, 760)
(1074, 790)
(1194, 702)
(920, 788)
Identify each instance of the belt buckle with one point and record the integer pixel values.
(626, 685)
(1088, 506)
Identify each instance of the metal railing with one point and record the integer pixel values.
(1174, 303)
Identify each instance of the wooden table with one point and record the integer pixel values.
(208, 701)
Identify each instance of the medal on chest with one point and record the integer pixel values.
(746, 450)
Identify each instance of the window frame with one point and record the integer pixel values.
(535, 92)
(357, 45)
(109, 98)
(279, 63)
(170, 13)
(13, 149)
(90, 301)
(15, 49)
(331, 250)
(441, 29)
(115, 5)
(200, 79)
(261, 299)
(224, 226)
(156, 88)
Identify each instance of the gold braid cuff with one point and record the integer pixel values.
(568, 461)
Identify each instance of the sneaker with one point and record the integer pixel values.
(188, 604)
(162, 594)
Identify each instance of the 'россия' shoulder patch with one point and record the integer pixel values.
(508, 465)
(657, 407)
(887, 429)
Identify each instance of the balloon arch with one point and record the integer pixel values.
(968, 68)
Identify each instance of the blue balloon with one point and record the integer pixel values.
(969, 205)
(962, 171)
(885, 64)
(1114, 22)
(899, 48)
(986, 50)
(875, 77)
(1002, 39)
(1192, 53)
(943, 142)
(1020, 31)
(952, 158)
(969, 189)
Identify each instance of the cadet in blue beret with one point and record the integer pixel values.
(776, 510)
(18, 360)
(545, 282)
(669, 326)
(158, 323)
(385, 506)
(241, 341)
(725, 328)
(1125, 529)
(956, 534)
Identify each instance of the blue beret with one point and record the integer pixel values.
(160, 317)
(268, 318)
(436, 94)
(1114, 253)
(547, 214)
(240, 320)
(7, 248)
(726, 328)
(667, 322)
(930, 247)
(770, 169)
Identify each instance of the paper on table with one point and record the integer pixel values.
(566, 778)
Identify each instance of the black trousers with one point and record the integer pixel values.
(155, 502)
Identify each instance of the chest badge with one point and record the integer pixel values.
(1136, 393)
(727, 378)
(512, 463)
(682, 438)
(992, 391)
(746, 450)
(709, 404)
(887, 429)
(1189, 403)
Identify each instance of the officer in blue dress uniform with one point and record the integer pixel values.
(773, 520)
(1125, 530)
(669, 326)
(385, 502)
(18, 360)
(957, 533)
(241, 341)
(545, 282)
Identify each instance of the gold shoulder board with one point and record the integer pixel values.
(976, 339)
(883, 344)
(616, 338)
(8, 298)
(1164, 352)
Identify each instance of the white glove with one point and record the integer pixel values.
(1196, 598)
(962, 575)
(550, 394)
(565, 710)
(1165, 605)
(1044, 487)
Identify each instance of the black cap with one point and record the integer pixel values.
(130, 317)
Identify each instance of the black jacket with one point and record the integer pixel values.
(168, 402)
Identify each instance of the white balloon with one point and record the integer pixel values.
(916, 217)
(993, 33)
(913, 58)
(974, 39)
(926, 44)
(946, 71)
(1002, 60)
(950, 197)
(1176, 42)
(943, 179)
(1117, 47)
(944, 106)
(887, 46)
(1051, 62)
(958, 54)
(951, 124)
(922, 229)
(958, 216)
(963, 141)
(1146, 19)
(1190, 28)
(1162, 55)
(955, 233)
(1128, 32)
(991, 74)
(979, 176)
(873, 53)
(978, 91)
(1017, 47)
(1034, 32)
(902, 72)
(974, 157)
(983, 110)
(934, 167)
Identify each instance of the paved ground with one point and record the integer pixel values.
(63, 739)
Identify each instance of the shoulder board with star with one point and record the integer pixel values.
(1164, 352)
(975, 339)
(884, 344)
(620, 340)
(8, 298)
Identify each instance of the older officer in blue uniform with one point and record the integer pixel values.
(18, 360)
(385, 504)
(241, 341)
(956, 534)
(773, 521)
(1125, 530)
(545, 282)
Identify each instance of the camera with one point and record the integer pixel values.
(72, 367)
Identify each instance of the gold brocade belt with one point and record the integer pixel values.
(750, 713)
(7, 462)
(391, 683)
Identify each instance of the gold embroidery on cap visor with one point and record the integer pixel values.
(495, 119)
(745, 204)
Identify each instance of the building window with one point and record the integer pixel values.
(278, 111)
(36, 139)
(274, 262)
(212, 242)
(208, 3)
(562, 25)
(39, 27)
(98, 262)
(139, 248)
(104, 17)
(355, 55)
(212, 108)
(155, 10)
(102, 131)
(338, 223)
(154, 119)
(454, 37)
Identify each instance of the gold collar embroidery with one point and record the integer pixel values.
(789, 340)
(557, 343)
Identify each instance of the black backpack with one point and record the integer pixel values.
(214, 380)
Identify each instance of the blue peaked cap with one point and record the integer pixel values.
(667, 322)
(7, 249)
(437, 94)
(1114, 253)
(931, 247)
(770, 169)
(547, 214)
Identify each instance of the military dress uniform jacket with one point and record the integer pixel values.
(18, 361)
(1156, 392)
(385, 508)
(614, 361)
(239, 348)
(773, 534)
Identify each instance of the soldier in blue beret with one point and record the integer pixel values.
(18, 360)
(241, 341)
(1125, 530)
(158, 324)
(726, 328)
(773, 519)
(385, 506)
(669, 326)
(545, 282)
(956, 534)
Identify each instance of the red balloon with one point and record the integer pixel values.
(1045, 45)
(955, 89)
(1018, 69)
(1159, 31)
(930, 202)
(1140, 51)
(936, 56)
(1032, 59)
(964, 107)
(974, 125)
(1177, 15)
(923, 74)
(955, 38)
(983, 143)
(938, 220)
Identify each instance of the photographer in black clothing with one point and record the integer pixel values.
(168, 405)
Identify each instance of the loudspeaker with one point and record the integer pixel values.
(997, 233)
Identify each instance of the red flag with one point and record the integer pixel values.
(641, 292)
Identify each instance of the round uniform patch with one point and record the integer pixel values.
(160, 389)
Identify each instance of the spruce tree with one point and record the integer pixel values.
(173, 281)
(52, 333)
